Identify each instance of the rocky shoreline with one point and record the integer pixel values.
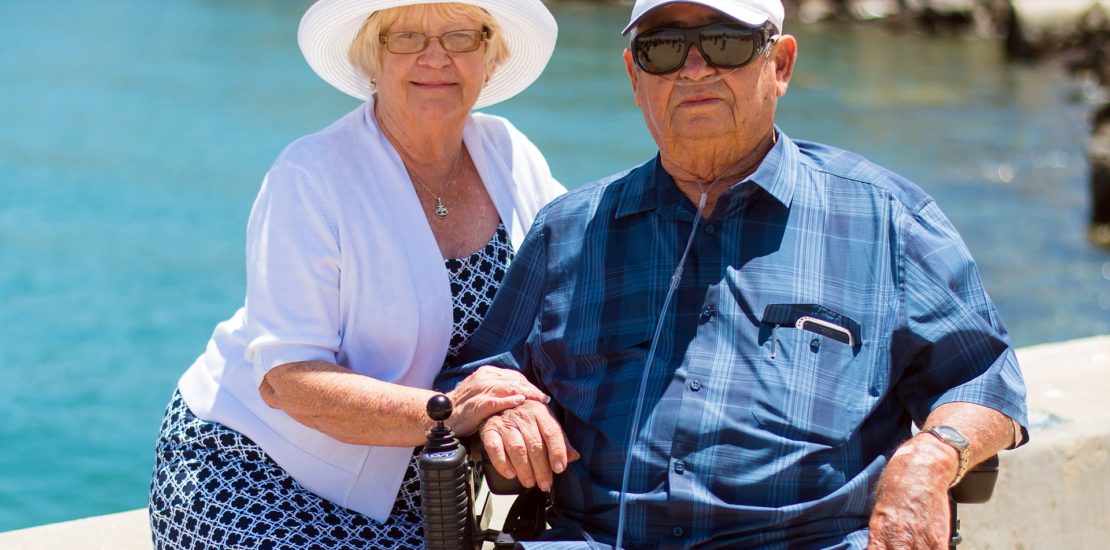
(1074, 33)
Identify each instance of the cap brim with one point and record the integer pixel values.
(741, 14)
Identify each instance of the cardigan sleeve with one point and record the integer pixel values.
(293, 260)
(533, 183)
(526, 154)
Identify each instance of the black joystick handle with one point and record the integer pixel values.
(446, 495)
(440, 437)
(439, 408)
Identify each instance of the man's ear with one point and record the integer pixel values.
(633, 76)
(784, 55)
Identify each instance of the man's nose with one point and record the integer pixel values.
(696, 66)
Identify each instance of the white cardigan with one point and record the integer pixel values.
(343, 267)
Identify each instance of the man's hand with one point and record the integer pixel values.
(526, 442)
(911, 502)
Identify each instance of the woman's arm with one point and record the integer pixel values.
(361, 410)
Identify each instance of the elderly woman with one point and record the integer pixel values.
(373, 250)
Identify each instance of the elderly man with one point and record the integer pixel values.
(786, 309)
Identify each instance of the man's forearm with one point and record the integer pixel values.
(452, 375)
(911, 500)
(987, 430)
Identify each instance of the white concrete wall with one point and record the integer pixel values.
(122, 531)
(1053, 493)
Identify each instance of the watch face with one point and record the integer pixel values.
(951, 435)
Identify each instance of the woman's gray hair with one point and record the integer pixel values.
(366, 49)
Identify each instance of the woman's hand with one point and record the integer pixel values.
(487, 392)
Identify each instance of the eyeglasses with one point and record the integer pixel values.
(416, 42)
(722, 45)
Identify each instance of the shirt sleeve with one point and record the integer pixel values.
(502, 338)
(292, 274)
(954, 346)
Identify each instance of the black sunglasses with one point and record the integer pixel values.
(722, 45)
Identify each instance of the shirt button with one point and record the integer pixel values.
(679, 467)
(694, 385)
(678, 531)
(710, 229)
(707, 314)
(815, 344)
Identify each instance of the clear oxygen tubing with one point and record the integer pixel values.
(684, 82)
(634, 430)
(676, 277)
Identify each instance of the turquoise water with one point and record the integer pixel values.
(135, 135)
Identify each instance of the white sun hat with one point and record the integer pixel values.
(749, 12)
(329, 26)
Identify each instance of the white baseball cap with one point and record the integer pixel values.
(329, 26)
(749, 12)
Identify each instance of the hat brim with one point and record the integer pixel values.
(329, 26)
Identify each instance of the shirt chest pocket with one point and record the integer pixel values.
(815, 388)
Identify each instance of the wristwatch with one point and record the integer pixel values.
(953, 438)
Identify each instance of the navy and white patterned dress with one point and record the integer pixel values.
(214, 488)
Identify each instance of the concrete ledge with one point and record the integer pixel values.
(122, 531)
(1053, 493)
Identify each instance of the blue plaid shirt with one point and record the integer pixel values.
(754, 432)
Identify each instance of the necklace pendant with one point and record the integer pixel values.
(441, 211)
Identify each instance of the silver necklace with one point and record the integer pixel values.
(441, 211)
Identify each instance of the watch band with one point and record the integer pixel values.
(953, 438)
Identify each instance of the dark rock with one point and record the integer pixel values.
(943, 17)
(1099, 152)
(1037, 27)
(1075, 34)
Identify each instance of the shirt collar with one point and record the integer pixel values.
(776, 173)
(637, 191)
(649, 185)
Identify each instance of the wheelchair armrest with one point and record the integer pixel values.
(495, 482)
(527, 516)
(977, 486)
